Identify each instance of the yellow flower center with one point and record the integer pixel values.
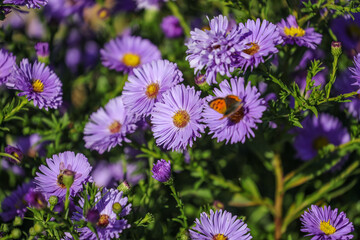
(60, 182)
(320, 142)
(115, 127)
(15, 155)
(152, 90)
(219, 237)
(38, 86)
(294, 31)
(103, 13)
(327, 228)
(103, 220)
(253, 49)
(131, 60)
(181, 119)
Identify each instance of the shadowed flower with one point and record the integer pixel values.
(15, 204)
(50, 178)
(35, 199)
(108, 126)
(171, 27)
(28, 3)
(292, 33)
(39, 83)
(356, 71)
(240, 124)
(176, 119)
(326, 224)
(7, 63)
(220, 225)
(318, 132)
(216, 50)
(149, 4)
(15, 152)
(260, 43)
(147, 85)
(126, 53)
(109, 224)
(162, 170)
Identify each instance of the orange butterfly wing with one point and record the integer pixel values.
(219, 105)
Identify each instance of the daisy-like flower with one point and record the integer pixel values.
(162, 170)
(220, 225)
(317, 132)
(292, 33)
(50, 178)
(15, 152)
(28, 3)
(240, 125)
(108, 126)
(356, 71)
(171, 27)
(109, 225)
(260, 43)
(39, 83)
(148, 84)
(15, 204)
(216, 50)
(126, 53)
(176, 119)
(326, 224)
(7, 63)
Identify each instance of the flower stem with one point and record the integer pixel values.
(332, 76)
(279, 195)
(175, 10)
(67, 202)
(10, 156)
(16, 109)
(180, 205)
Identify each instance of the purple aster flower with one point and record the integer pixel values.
(42, 49)
(216, 50)
(7, 63)
(347, 30)
(61, 9)
(176, 119)
(162, 170)
(317, 132)
(220, 225)
(108, 126)
(149, 4)
(38, 83)
(14, 168)
(171, 27)
(28, 3)
(50, 178)
(147, 85)
(31, 145)
(15, 204)
(128, 52)
(356, 71)
(109, 225)
(345, 84)
(292, 33)
(35, 199)
(260, 43)
(240, 125)
(110, 174)
(15, 152)
(326, 224)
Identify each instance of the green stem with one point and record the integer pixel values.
(67, 202)
(17, 109)
(332, 76)
(10, 156)
(180, 205)
(339, 97)
(175, 11)
(279, 195)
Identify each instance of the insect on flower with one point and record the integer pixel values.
(229, 106)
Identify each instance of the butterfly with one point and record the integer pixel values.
(228, 106)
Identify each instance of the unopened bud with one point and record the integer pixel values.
(53, 200)
(217, 205)
(336, 49)
(117, 208)
(32, 231)
(124, 187)
(38, 228)
(15, 233)
(42, 52)
(200, 80)
(68, 178)
(93, 216)
(17, 221)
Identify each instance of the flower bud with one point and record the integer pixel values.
(17, 221)
(32, 231)
(117, 208)
(200, 80)
(68, 178)
(217, 205)
(93, 216)
(53, 200)
(124, 187)
(42, 52)
(162, 171)
(336, 49)
(38, 228)
(15, 233)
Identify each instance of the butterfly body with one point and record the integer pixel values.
(229, 106)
